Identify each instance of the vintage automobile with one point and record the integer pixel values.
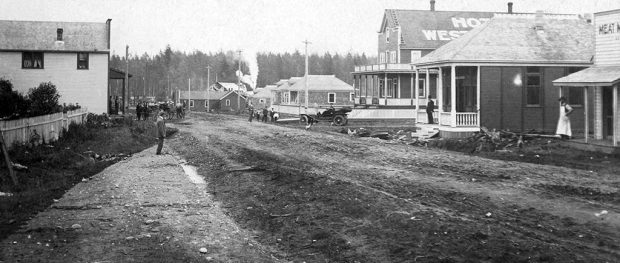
(335, 116)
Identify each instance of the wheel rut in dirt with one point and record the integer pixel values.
(318, 200)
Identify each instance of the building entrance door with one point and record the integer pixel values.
(608, 112)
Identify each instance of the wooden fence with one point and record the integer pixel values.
(41, 128)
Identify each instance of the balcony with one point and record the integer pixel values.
(384, 67)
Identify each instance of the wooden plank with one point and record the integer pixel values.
(9, 164)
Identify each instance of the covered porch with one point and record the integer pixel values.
(457, 106)
(604, 81)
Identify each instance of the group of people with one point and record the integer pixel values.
(563, 129)
(142, 110)
(265, 115)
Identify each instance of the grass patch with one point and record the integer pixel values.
(83, 151)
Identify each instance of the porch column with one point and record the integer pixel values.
(598, 113)
(399, 96)
(385, 88)
(586, 129)
(439, 94)
(453, 95)
(427, 83)
(412, 89)
(417, 98)
(478, 96)
(615, 118)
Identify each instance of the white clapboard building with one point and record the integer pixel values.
(73, 56)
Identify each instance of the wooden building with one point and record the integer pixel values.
(599, 83)
(72, 55)
(202, 100)
(324, 91)
(264, 97)
(386, 90)
(500, 74)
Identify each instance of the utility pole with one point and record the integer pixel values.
(208, 89)
(239, 83)
(306, 75)
(189, 96)
(126, 86)
(143, 89)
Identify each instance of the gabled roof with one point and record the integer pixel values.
(264, 92)
(322, 83)
(286, 84)
(513, 39)
(228, 85)
(594, 76)
(233, 92)
(36, 35)
(425, 29)
(201, 95)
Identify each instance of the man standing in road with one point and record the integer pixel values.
(430, 106)
(161, 131)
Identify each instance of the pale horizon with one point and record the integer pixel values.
(147, 26)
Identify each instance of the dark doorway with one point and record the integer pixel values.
(608, 112)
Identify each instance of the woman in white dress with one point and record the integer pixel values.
(564, 122)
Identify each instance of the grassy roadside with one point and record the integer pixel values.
(54, 168)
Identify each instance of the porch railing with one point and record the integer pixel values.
(392, 66)
(468, 119)
(445, 119)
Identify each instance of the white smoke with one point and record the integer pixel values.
(249, 57)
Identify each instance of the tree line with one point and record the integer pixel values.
(161, 74)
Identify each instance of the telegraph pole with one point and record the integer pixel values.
(189, 96)
(306, 75)
(208, 89)
(239, 83)
(126, 86)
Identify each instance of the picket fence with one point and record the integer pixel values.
(41, 128)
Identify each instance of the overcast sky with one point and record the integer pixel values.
(256, 25)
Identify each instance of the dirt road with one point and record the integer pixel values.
(329, 197)
(143, 209)
(275, 193)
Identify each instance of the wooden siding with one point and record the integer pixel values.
(503, 101)
(88, 87)
(607, 48)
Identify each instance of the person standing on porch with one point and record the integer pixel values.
(564, 122)
(430, 106)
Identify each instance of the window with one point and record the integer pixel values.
(294, 97)
(59, 34)
(422, 88)
(415, 55)
(574, 96)
(392, 56)
(533, 89)
(227, 102)
(331, 97)
(352, 96)
(191, 103)
(381, 57)
(82, 60)
(285, 98)
(32, 60)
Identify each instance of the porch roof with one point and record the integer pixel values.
(594, 76)
(515, 39)
(321, 83)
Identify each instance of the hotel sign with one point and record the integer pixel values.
(607, 26)
(461, 26)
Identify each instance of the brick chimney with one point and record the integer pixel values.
(432, 5)
(509, 7)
